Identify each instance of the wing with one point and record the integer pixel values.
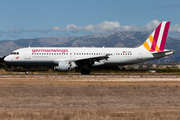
(91, 60)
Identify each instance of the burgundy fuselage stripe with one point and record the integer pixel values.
(156, 35)
(164, 36)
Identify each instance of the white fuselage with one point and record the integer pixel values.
(51, 56)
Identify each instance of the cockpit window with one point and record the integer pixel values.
(15, 53)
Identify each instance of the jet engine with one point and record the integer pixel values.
(65, 66)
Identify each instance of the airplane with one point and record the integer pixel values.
(68, 58)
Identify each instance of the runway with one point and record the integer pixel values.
(103, 96)
(91, 78)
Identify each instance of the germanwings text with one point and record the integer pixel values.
(50, 50)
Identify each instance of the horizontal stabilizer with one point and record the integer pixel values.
(168, 52)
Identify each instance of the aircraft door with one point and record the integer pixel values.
(139, 54)
(27, 54)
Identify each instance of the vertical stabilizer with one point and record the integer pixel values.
(157, 40)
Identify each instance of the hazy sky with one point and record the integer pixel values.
(46, 18)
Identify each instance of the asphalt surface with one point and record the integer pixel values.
(92, 77)
(123, 75)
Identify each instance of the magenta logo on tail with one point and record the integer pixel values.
(156, 35)
(157, 40)
(163, 42)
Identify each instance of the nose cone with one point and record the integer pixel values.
(6, 59)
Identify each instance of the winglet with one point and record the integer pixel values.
(157, 40)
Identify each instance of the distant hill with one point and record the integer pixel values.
(119, 39)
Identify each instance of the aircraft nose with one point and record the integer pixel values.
(6, 59)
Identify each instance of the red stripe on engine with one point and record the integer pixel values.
(163, 42)
(156, 35)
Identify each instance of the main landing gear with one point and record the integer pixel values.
(85, 71)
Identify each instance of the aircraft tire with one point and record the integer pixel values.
(85, 72)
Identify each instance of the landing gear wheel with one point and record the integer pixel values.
(27, 72)
(85, 72)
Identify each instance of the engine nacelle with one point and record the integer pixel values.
(65, 66)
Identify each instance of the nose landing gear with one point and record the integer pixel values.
(27, 71)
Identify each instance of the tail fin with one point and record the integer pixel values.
(157, 40)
